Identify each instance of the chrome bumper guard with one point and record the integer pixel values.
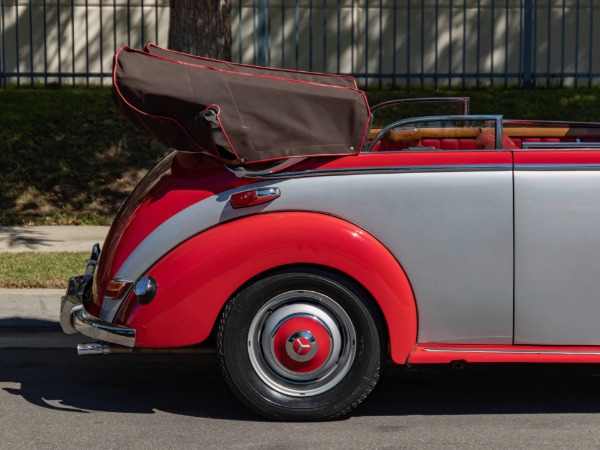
(74, 318)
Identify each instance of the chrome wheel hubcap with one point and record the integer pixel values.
(301, 343)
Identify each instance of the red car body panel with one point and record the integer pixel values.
(413, 158)
(555, 157)
(198, 277)
(177, 182)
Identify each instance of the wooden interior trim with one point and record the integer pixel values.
(473, 132)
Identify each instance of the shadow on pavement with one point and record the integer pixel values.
(21, 237)
(486, 389)
(192, 385)
(180, 384)
(23, 324)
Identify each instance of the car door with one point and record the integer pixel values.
(557, 244)
(448, 219)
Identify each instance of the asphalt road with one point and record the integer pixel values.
(50, 398)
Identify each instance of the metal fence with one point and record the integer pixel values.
(399, 42)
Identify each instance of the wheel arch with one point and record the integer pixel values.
(197, 278)
(300, 267)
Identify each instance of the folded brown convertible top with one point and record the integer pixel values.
(239, 113)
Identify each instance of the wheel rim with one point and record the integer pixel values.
(301, 343)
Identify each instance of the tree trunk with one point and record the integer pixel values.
(201, 27)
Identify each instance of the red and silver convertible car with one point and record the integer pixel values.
(310, 245)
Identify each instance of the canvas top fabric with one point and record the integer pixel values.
(238, 113)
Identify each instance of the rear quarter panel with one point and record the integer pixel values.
(449, 231)
(197, 278)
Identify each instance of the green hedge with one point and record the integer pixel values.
(67, 157)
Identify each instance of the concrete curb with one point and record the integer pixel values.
(29, 317)
(26, 309)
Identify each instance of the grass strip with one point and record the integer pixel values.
(40, 270)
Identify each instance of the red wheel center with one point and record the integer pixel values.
(302, 344)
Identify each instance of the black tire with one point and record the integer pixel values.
(302, 344)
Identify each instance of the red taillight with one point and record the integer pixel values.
(254, 197)
(117, 288)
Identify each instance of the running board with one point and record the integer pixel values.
(442, 354)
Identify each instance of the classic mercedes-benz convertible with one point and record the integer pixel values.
(309, 243)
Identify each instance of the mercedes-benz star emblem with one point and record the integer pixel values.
(301, 346)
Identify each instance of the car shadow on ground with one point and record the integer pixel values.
(26, 324)
(59, 379)
(192, 385)
(486, 389)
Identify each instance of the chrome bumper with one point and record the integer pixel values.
(74, 318)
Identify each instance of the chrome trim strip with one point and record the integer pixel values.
(390, 169)
(560, 145)
(241, 171)
(557, 167)
(402, 101)
(550, 123)
(268, 192)
(511, 352)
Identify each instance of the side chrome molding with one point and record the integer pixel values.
(390, 169)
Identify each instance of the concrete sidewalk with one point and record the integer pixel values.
(29, 317)
(51, 238)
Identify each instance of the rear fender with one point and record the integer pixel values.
(196, 279)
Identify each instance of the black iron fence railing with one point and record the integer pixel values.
(400, 42)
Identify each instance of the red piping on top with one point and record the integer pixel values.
(212, 105)
(216, 69)
(348, 77)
